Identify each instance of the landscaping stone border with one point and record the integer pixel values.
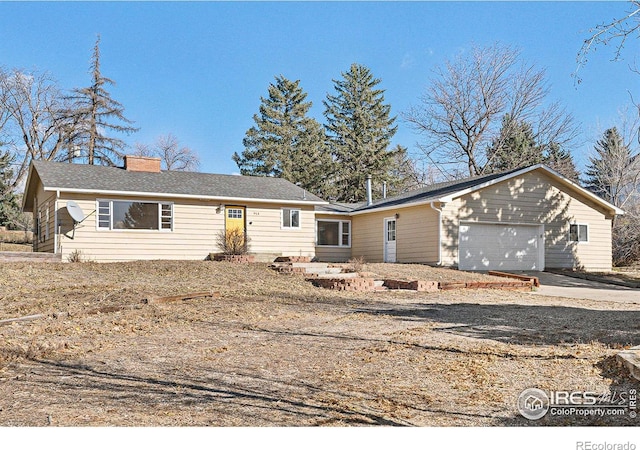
(241, 259)
(340, 278)
(631, 360)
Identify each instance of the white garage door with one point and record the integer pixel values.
(500, 247)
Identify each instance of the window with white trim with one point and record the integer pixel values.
(46, 223)
(134, 215)
(42, 223)
(333, 233)
(391, 230)
(290, 218)
(39, 226)
(578, 232)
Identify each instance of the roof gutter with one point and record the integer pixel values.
(186, 196)
(402, 205)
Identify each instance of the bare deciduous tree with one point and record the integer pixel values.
(460, 114)
(173, 156)
(32, 120)
(616, 31)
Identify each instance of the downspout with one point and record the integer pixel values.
(439, 263)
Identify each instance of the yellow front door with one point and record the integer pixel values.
(234, 218)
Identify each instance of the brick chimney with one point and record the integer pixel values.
(141, 164)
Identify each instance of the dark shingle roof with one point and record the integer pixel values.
(338, 207)
(66, 176)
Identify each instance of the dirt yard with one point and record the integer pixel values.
(274, 350)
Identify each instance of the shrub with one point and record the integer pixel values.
(626, 237)
(75, 256)
(357, 264)
(233, 242)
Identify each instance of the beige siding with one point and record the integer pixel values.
(195, 226)
(44, 209)
(416, 235)
(535, 198)
(264, 228)
(367, 239)
(334, 254)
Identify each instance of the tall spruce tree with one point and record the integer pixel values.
(614, 172)
(561, 160)
(517, 146)
(96, 113)
(359, 131)
(514, 147)
(285, 142)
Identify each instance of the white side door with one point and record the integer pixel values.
(390, 240)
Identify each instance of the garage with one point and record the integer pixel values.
(499, 246)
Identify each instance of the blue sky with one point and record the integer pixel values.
(198, 69)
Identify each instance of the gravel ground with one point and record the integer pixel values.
(273, 350)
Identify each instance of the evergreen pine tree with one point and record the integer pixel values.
(560, 160)
(285, 143)
(9, 207)
(359, 132)
(613, 170)
(515, 147)
(94, 111)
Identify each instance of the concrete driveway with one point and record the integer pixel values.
(555, 285)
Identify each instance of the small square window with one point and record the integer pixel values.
(578, 233)
(290, 218)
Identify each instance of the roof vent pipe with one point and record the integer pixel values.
(384, 189)
(369, 200)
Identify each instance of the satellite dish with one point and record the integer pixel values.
(75, 211)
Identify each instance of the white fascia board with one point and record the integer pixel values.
(584, 191)
(186, 196)
(551, 172)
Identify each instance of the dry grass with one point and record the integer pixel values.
(627, 274)
(274, 350)
(425, 272)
